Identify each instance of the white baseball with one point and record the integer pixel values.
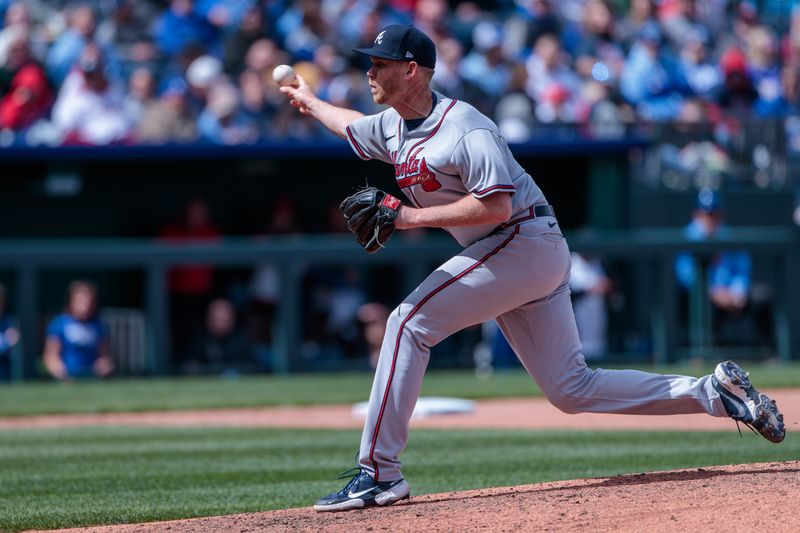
(284, 75)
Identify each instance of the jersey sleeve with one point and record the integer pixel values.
(367, 138)
(481, 160)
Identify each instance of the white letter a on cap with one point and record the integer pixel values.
(379, 38)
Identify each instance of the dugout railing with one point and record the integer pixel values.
(650, 250)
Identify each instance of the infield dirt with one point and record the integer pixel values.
(507, 413)
(755, 497)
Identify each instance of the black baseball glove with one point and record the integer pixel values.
(370, 215)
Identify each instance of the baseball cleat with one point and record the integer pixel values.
(745, 404)
(363, 491)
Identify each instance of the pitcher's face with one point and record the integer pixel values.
(385, 79)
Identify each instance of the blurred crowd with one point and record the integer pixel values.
(174, 71)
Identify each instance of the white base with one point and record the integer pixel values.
(426, 406)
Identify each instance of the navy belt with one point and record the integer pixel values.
(535, 211)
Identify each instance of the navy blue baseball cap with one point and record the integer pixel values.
(402, 43)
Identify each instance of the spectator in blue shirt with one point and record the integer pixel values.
(485, 67)
(77, 342)
(224, 14)
(180, 26)
(763, 65)
(222, 121)
(9, 336)
(697, 74)
(728, 272)
(70, 45)
(649, 78)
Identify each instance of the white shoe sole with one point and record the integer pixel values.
(388, 497)
(757, 410)
(346, 505)
(396, 493)
(737, 386)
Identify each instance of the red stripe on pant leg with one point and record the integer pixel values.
(400, 332)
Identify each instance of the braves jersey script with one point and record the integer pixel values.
(455, 151)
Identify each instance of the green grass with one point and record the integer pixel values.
(81, 476)
(199, 393)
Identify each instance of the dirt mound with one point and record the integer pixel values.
(756, 497)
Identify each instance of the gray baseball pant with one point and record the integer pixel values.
(519, 276)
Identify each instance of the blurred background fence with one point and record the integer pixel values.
(145, 148)
(649, 254)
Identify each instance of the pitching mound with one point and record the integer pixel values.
(757, 497)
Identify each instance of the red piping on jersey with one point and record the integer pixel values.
(493, 187)
(431, 134)
(354, 143)
(400, 333)
(523, 218)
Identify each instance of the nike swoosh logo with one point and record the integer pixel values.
(551, 224)
(352, 494)
(390, 137)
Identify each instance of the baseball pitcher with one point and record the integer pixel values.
(458, 173)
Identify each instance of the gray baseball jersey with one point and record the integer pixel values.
(455, 151)
(516, 273)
